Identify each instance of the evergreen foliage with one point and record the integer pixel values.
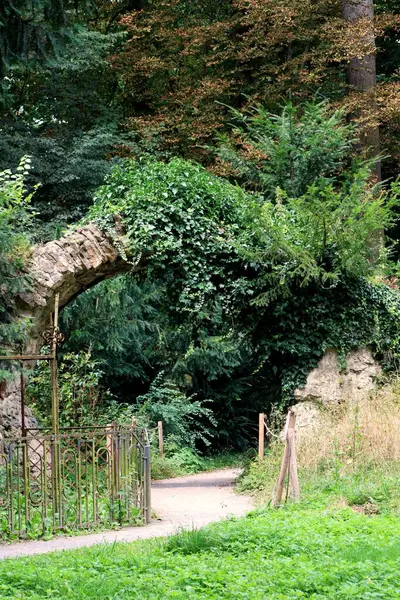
(56, 104)
(31, 30)
(186, 419)
(264, 148)
(123, 325)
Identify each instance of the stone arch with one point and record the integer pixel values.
(67, 266)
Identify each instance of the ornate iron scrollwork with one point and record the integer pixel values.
(53, 336)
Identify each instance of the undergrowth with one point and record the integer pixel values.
(351, 456)
(340, 542)
(186, 462)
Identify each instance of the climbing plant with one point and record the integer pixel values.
(225, 248)
(183, 222)
(14, 246)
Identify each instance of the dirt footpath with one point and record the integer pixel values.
(184, 502)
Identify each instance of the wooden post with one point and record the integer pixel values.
(160, 438)
(284, 467)
(293, 474)
(289, 461)
(261, 418)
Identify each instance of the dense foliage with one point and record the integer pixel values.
(85, 82)
(242, 292)
(233, 153)
(241, 289)
(56, 103)
(14, 222)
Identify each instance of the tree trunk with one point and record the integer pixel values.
(361, 70)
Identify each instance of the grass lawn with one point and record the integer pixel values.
(304, 551)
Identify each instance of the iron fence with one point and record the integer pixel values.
(80, 478)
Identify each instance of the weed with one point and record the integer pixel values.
(192, 541)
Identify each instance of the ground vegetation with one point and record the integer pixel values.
(296, 552)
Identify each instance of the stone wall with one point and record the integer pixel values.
(10, 410)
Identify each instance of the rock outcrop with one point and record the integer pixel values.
(328, 384)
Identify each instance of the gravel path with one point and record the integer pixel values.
(184, 502)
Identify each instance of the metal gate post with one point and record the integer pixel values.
(147, 483)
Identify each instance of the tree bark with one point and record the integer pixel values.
(361, 70)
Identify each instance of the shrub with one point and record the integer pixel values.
(14, 246)
(82, 398)
(289, 151)
(185, 419)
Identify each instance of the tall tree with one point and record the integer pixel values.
(361, 70)
(252, 52)
(57, 100)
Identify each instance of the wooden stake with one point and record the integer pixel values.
(293, 474)
(284, 467)
(160, 438)
(261, 418)
(289, 461)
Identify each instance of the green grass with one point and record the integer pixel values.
(321, 548)
(300, 551)
(365, 484)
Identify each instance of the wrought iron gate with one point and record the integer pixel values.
(77, 479)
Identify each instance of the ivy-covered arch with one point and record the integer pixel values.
(67, 266)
